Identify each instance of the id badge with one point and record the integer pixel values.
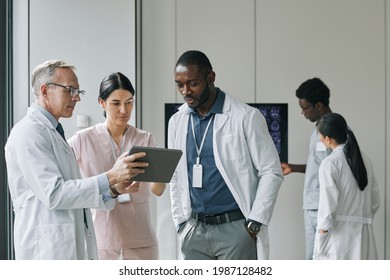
(197, 176)
(123, 198)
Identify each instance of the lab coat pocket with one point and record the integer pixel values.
(56, 241)
(182, 226)
(233, 146)
(322, 246)
(22, 200)
(186, 230)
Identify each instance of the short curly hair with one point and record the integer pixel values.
(314, 90)
(198, 58)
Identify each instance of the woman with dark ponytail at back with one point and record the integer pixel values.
(349, 196)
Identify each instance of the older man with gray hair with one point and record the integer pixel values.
(51, 200)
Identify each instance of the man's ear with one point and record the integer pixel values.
(43, 89)
(318, 106)
(211, 78)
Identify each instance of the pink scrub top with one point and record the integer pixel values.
(128, 225)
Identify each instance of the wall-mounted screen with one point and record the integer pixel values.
(276, 115)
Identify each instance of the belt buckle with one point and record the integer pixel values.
(207, 218)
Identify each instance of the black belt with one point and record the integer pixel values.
(218, 219)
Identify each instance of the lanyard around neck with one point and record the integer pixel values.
(199, 149)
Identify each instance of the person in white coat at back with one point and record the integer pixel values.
(349, 196)
(50, 198)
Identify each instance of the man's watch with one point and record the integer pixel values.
(114, 193)
(253, 227)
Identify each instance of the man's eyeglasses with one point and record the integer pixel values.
(74, 92)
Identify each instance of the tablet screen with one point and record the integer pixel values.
(162, 163)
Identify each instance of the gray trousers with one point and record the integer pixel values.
(228, 241)
(310, 218)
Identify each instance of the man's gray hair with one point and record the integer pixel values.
(43, 73)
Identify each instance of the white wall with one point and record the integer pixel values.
(261, 51)
(96, 36)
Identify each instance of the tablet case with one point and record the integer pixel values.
(162, 163)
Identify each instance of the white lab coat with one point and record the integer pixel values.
(48, 195)
(246, 157)
(345, 211)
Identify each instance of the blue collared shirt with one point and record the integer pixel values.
(214, 197)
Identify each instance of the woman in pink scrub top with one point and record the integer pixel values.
(126, 232)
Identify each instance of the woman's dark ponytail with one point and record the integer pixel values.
(355, 160)
(334, 126)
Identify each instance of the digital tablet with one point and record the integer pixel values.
(162, 163)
